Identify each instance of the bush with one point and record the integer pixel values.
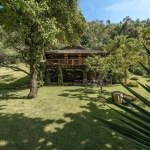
(134, 78)
(137, 71)
(116, 77)
(132, 84)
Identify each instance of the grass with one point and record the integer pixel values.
(60, 118)
(11, 79)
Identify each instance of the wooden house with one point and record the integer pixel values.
(68, 64)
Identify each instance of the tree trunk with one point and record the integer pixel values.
(125, 76)
(101, 85)
(41, 75)
(101, 88)
(33, 81)
(60, 76)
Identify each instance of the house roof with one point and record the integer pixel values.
(74, 50)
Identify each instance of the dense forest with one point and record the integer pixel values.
(125, 44)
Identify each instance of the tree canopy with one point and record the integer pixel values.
(37, 25)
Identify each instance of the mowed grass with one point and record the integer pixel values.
(60, 118)
(13, 79)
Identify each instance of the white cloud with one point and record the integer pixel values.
(143, 5)
(92, 8)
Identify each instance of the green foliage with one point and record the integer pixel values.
(116, 75)
(97, 35)
(7, 51)
(146, 69)
(132, 84)
(121, 41)
(99, 65)
(134, 78)
(136, 126)
(137, 70)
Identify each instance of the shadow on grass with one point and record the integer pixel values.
(7, 78)
(85, 93)
(18, 85)
(2, 107)
(22, 82)
(82, 132)
(7, 95)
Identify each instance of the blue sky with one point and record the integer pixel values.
(114, 10)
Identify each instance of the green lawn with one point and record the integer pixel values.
(60, 118)
(12, 79)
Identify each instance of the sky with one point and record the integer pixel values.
(114, 10)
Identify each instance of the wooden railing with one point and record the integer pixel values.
(65, 61)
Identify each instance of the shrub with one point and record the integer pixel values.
(137, 71)
(134, 78)
(116, 77)
(132, 84)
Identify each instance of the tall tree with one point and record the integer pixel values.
(96, 34)
(125, 55)
(41, 24)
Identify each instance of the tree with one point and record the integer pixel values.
(100, 66)
(97, 34)
(40, 25)
(126, 55)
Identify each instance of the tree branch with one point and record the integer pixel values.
(14, 68)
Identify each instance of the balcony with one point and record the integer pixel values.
(65, 62)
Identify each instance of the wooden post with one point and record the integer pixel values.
(79, 59)
(60, 76)
(84, 75)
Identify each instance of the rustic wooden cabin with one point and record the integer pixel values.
(68, 64)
